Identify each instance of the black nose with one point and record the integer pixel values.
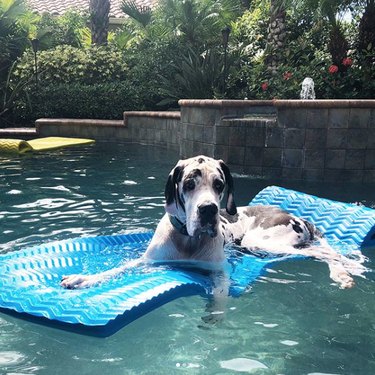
(207, 210)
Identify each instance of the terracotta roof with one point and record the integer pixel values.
(59, 7)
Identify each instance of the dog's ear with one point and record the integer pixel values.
(231, 205)
(172, 198)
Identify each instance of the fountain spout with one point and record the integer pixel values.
(307, 91)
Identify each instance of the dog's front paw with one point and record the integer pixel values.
(78, 281)
(343, 278)
(346, 282)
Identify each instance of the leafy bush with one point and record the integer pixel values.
(330, 83)
(75, 100)
(306, 55)
(63, 30)
(67, 64)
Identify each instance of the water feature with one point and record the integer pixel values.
(307, 91)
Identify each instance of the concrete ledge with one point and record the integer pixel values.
(152, 114)
(209, 103)
(76, 122)
(82, 128)
(366, 103)
(18, 133)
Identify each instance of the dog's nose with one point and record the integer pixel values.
(208, 210)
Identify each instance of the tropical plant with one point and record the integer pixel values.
(196, 23)
(10, 92)
(140, 14)
(65, 29)
(276, 36)
(195, 76)
(99, 21)
(366, 34)
(333, 11)
(15, 23)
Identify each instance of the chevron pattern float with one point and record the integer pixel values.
(30, 279)
(341, 222)
(14, 146)
(29, 283)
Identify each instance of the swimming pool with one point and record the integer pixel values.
(292, 320)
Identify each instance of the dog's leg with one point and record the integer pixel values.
(341, 267)
(339, 274)
(87, 281)
(217, 306)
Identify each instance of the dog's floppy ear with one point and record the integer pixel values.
(231, 205)
(172, 198)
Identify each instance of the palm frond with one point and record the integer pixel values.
(140, 14)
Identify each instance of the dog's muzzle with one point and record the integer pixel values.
(208, 216)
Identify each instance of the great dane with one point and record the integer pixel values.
(194, 228)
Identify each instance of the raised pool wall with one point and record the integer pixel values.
(293, 139)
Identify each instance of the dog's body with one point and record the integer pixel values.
(194, 227)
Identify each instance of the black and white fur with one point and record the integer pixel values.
(195, 228)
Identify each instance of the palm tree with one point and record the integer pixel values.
(140, 14)
(276, 37)
(366, 34)
(332, 11)
(99, 17)
(196, 22)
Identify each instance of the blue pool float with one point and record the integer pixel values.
(30, 279)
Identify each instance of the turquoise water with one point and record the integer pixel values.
(293, 321)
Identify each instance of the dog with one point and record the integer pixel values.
(195, 228)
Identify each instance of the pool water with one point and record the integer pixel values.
(292, 321)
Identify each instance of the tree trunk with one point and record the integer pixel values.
(366, 34)
(338, 46)
(99, 21)
(276, 36)
(246, 3)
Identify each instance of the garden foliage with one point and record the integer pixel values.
(176, 51)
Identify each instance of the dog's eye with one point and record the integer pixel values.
(218, 185)
(189, 184)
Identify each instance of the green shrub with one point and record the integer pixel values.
(67, 64)
(61, 30)
(75, 100)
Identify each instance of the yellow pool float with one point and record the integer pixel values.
(20, 146)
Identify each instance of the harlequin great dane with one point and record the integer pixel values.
(195, 228)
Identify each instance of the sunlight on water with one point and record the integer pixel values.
(291, 321)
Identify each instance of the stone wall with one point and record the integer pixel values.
(110, 130)
(294, 139)
(154, 128)
(328, 140)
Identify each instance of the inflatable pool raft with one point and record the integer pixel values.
(30, 279)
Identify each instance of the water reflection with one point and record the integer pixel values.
(291, 321)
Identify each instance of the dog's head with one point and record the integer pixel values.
(193, 193)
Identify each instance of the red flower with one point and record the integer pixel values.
(347, 61)
(264, 86)
(333, 69)
(287, 75)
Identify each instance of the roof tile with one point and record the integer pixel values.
(59, 7)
